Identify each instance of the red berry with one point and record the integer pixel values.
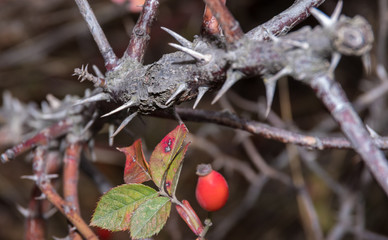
(212, 190)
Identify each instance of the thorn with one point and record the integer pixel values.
(201, 92)
(325, 20)
(51, 176)
(122, 107)
(372, 132)
(123, 124)
(182, 87)
(335, 58)
(97, 71)
(183, 41)
(95, 98)
(24, 211)
(30, 177)
(271, 35)
(367, 63)
(270, 86)
(50, 213)
(53, 101)
(231, 78)
(298, 44)
(382, 72)
(337, 12)
(111, 130)
(196, 55)
(42, 196)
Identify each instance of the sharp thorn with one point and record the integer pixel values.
(367, 63)
(231, 78)
(30, 177)
(51, 176)
(271, 35)
(111, 129)
(182, 87)
(122, 107)
(201, 92)
(322, 18)
(196, 55)
(382, 73)
(372, 132)
(183, 41)
(95, 98)
(42, 196)
(335, 58)
(50, 213)
(123, 124)
(24, 211)
(337, 12)
(270, 86)
(97, 71)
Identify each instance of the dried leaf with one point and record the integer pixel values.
(165, 152)
(150, 217)
(136, 167)
(115, 208)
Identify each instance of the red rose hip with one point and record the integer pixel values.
(212, 190)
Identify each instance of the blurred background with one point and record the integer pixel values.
(41, 42)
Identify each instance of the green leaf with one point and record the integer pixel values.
(115, 208)
(136, 167)
(150, 217)
(165, 152)
(174, 171)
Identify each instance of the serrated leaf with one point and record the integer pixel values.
(174, 171)
(136, 166)
(115, 208)
(150, 217)
(165, 152)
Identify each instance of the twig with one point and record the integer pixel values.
(264, 130)
(210, 26)
(332, 95)
(141, 31)
(106, 50)
(43, 182)
(40, 138)
(285, 21)
(230, 27)
(35, 227)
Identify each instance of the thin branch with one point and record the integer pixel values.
(43, 182)
(106, 50)
(70, 174)
(230, 27)
(332, 95)
(285, 21)
(210, 26)
(42, 137)
(141, 32)
(264, 130)
(35, 223)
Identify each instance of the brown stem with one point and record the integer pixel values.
(141, 32)
(50, 193)
(264, 130)
(35, 224)
(286, 20)
(230, 27)
(40, 138)
(210, 26)
(332, 95)
(70, 174)
(106, 50)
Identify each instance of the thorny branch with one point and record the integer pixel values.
(208, 64)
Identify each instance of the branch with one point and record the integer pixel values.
(264, 130)
(334, 98)
(106, 50)
(210, 26)
(141, 32)
(285, 21)
(230, 27)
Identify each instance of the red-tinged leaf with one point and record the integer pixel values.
(150, 217)
(174, 171)
(188, 214)
(165, 152)
(115, 208)
(136, 167)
